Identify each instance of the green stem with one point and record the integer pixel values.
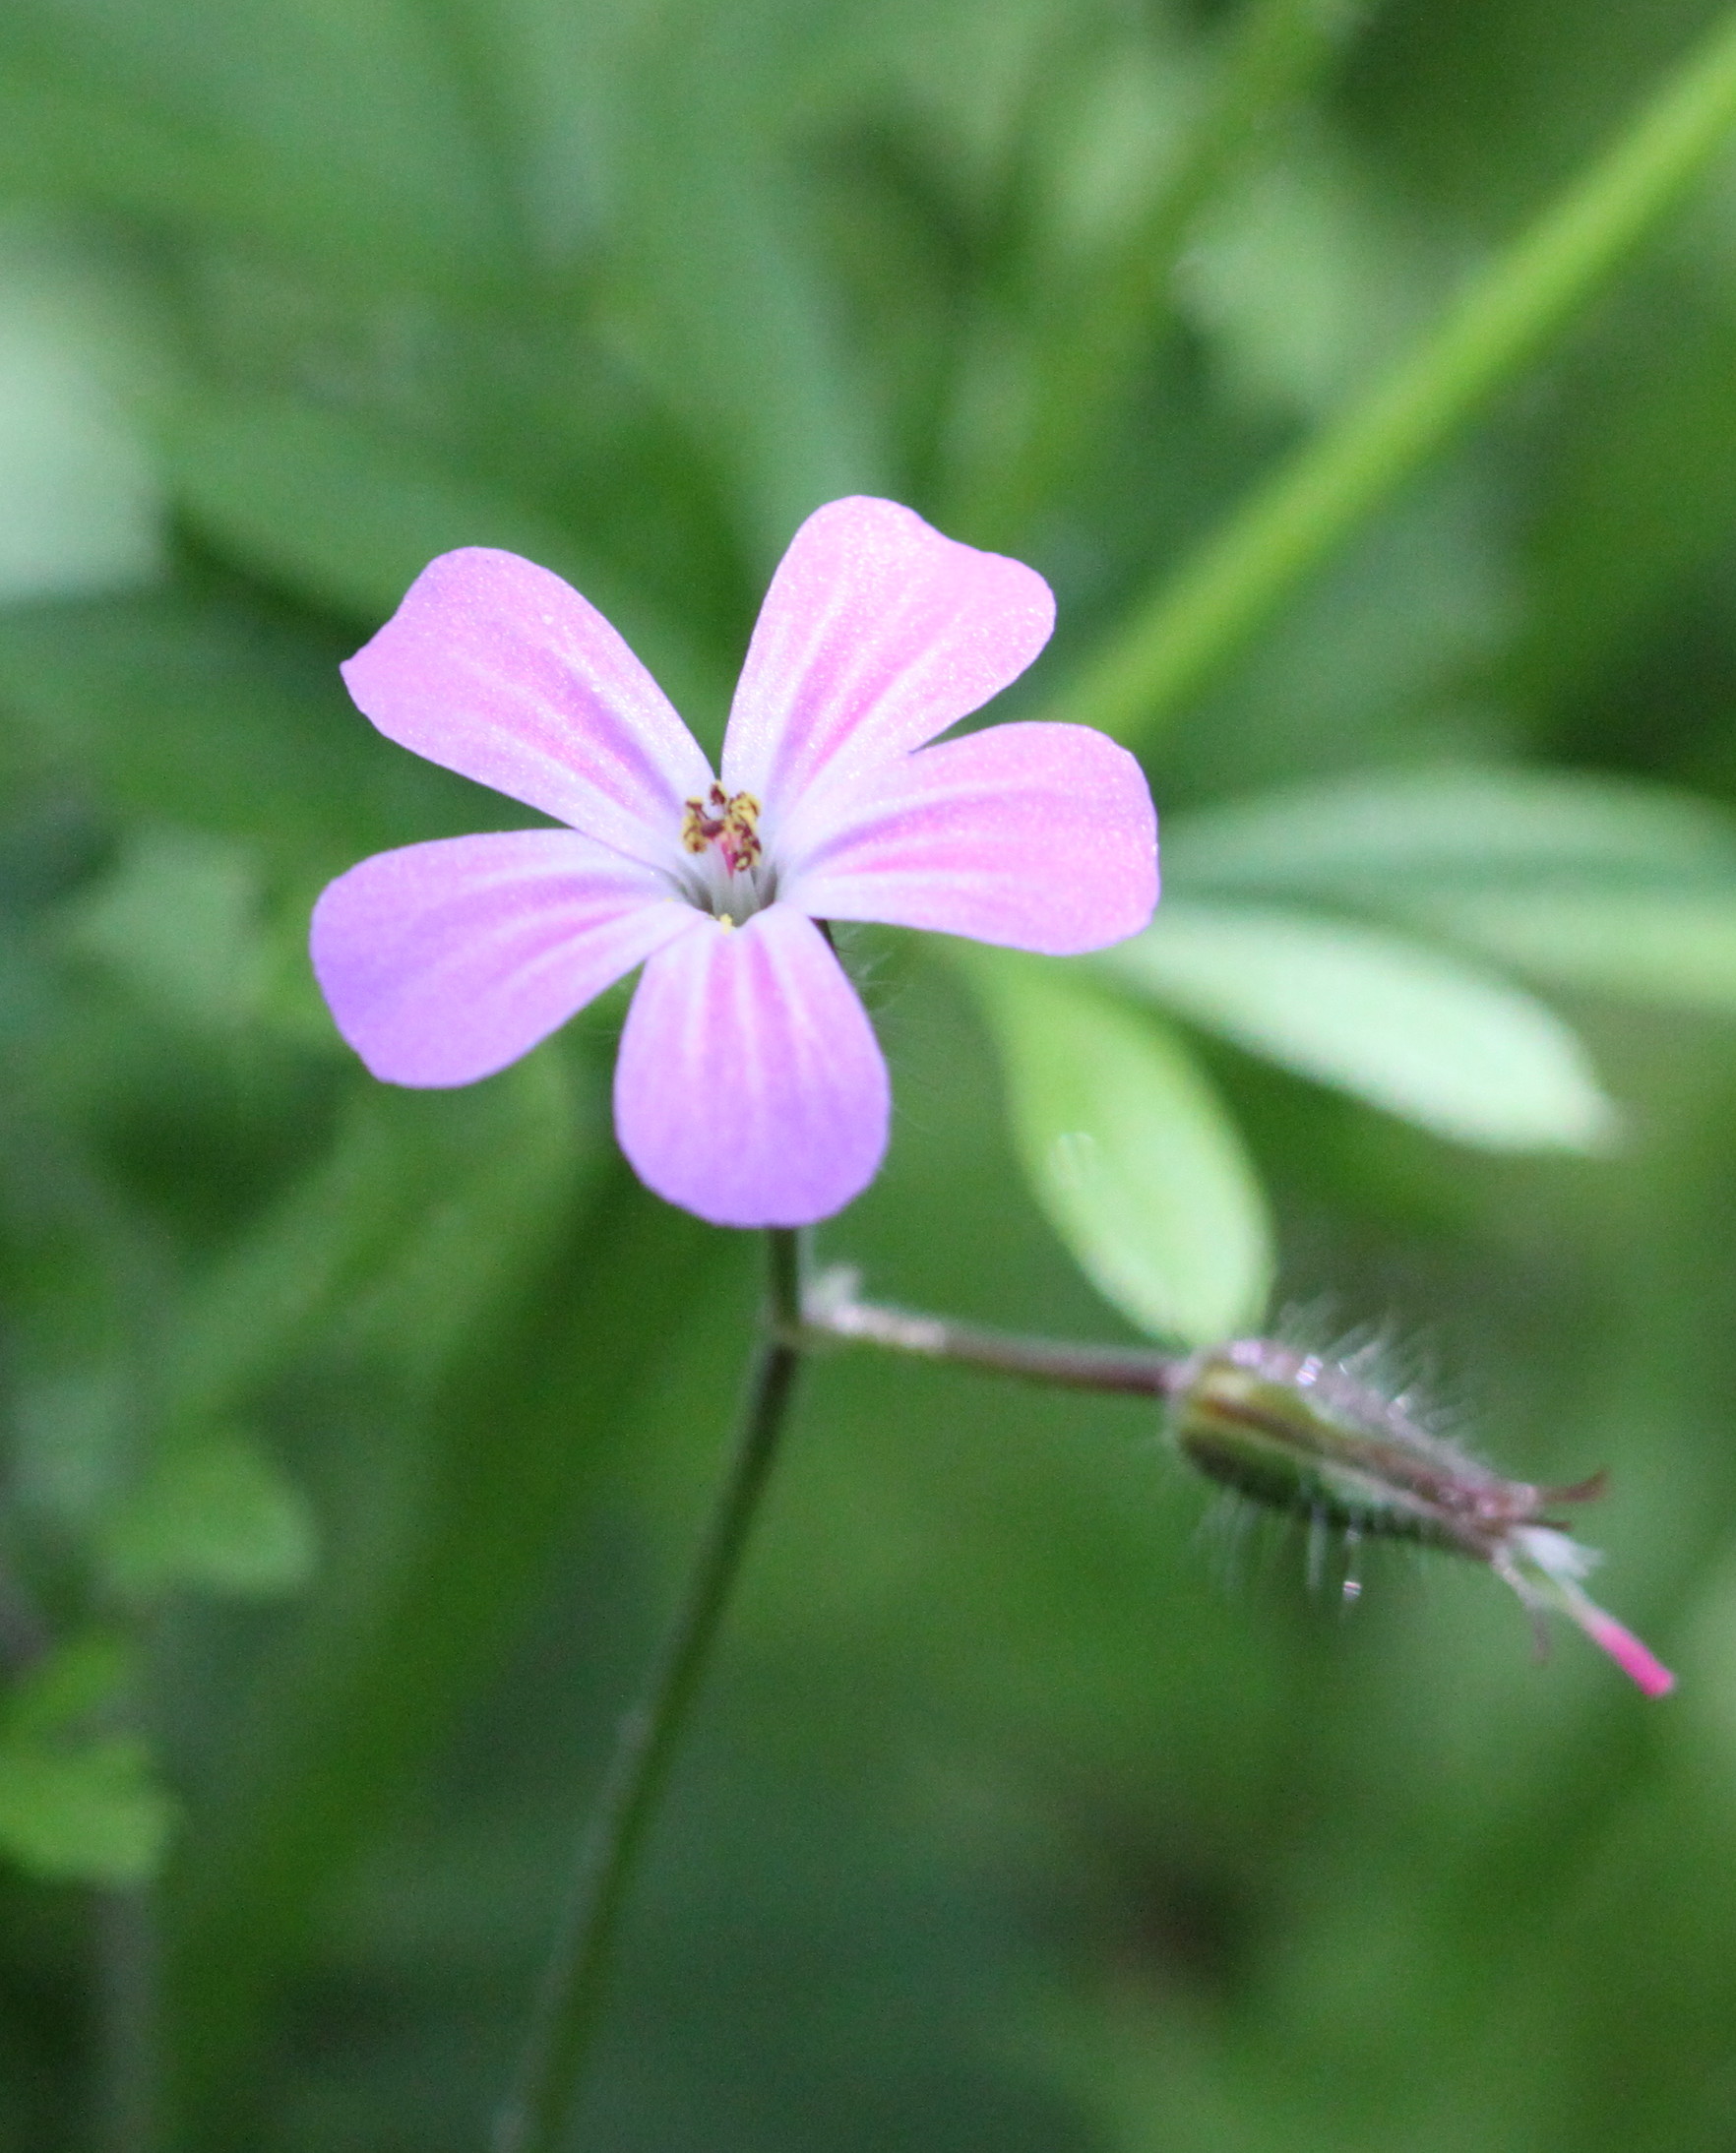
(1196, 622)
(129, 2018)
(569, 2005)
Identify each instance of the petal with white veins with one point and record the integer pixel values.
(750, 1086)
(1037, 837)
(443, 962)
(876, 635)
(496, 668)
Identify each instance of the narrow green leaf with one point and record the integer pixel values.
(1669, 948)
(1129, 1152)
(1367, 838)
(92, 1814)
(1381, 1016)
(217, 1515)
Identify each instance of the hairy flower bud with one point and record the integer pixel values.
(1302, 1434)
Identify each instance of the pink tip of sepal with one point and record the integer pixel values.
(1544, 1567)
(1630, 1655)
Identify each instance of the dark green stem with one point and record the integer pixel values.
(569, 2005)
(129, 2019)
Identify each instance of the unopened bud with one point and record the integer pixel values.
(1305, 1434)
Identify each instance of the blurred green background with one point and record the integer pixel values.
(354, 1438)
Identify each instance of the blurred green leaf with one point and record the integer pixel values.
(717, 288)
(82, 504)
(350, 517)
(1127, 1151)
(1369, 837)
(426, 1207)
(1192, 624)
(1639, 489)
(1386, 1019)
(341, 514)
(79, 1675)
(94, 1813)
(218, 1515)
(1666, 948)
(521, 1426)
(338, 135)
(206, 715)
(178, 919)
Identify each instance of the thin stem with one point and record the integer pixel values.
(833, 1313)
(1196, 622)
(569, 2005)
(128, 1959)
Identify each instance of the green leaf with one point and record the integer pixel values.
(79, 1675)
(1386, 1019)
(427, 1207)
(1367, 838)
(218, 1515)
(178, 919)
(207, 113)
(1663, 948)
(92, 1814)
(1129, 1152)
(349, 516)
(210, 715)
(84, 505)
(718, 293)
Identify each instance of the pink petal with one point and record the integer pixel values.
(750, 1088)
(497, 669)
(443, 962)
(876, 635)
(1040, 837)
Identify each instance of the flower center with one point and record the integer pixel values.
(723, 832)
(730, 822)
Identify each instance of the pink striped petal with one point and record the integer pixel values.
(750, 1088)
(1039, 836)
(443, 962)
(497, 669)
(876, 635)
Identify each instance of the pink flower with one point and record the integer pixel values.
(750, 1088)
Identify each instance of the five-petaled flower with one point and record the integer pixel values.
(749, 1087)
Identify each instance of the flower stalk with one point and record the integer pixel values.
(1297, 1433)
(564, 2017)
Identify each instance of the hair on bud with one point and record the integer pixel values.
(1307, 1435)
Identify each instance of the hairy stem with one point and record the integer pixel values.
(569, 2005)
(833, 1313)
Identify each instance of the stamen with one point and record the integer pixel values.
(730, 822)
